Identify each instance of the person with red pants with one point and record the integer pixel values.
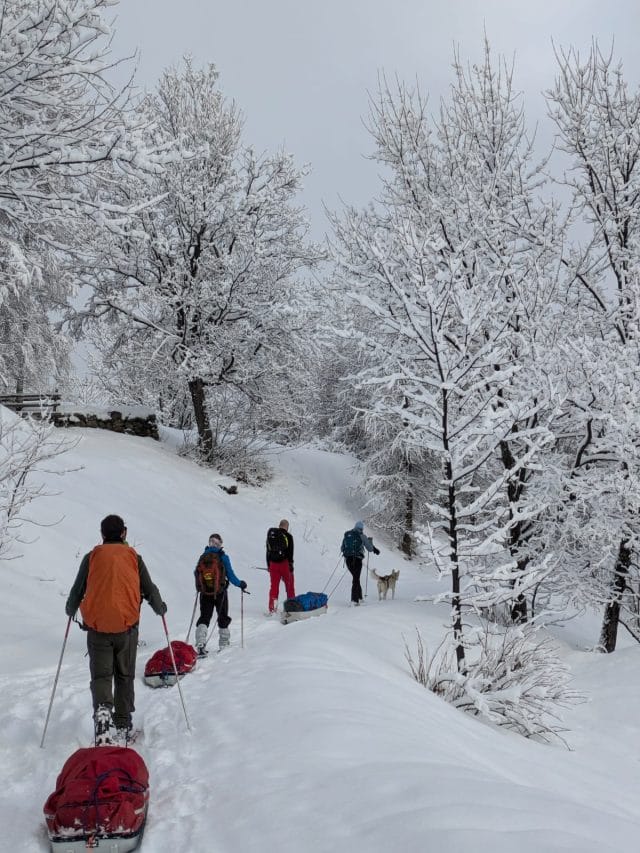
(279, 563)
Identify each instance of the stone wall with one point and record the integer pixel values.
(139, 424)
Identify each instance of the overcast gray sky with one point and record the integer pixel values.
(301, 70)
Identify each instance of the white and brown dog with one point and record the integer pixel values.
(386, 583)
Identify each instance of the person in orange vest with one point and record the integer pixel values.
(111, 582)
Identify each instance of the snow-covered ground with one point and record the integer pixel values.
(312, 737)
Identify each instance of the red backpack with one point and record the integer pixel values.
(102, 792)
(210, 573)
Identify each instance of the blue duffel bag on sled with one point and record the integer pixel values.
(303, 606)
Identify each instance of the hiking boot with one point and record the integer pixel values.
(201, 639)
(224, 636)
(102, 725)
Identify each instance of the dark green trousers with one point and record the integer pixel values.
(112, 664)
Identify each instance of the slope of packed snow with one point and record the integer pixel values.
(312, 737)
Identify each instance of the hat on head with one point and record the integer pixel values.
(284, 524)
(359, 525)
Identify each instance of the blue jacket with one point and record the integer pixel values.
(226, 564)
(365, 542)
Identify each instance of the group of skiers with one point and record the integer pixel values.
(112, 581)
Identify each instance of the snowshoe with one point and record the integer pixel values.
(102, 726)
(125, 736)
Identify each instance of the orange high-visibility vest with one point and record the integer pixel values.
(111, 603)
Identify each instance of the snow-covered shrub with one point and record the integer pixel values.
(237, 456)
(512, 678)
(27, 447)
(242, 461)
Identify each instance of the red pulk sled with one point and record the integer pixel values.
(159, 671)
(100, 801)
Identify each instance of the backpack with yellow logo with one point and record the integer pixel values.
(210, 574)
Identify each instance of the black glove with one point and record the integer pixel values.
(163, 609)
(243, 585)
(376, 551)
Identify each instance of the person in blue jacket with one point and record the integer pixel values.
(219, 600)
(353, 545)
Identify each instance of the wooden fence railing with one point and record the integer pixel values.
(32, 404)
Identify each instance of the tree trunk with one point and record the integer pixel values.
(609, 630)
(456, 615)
(205, 436)
(456, 607)
(406, 546)
(519, 611)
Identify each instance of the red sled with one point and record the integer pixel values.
(159, 671)
(100, 801)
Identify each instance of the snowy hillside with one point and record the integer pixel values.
(312, 738)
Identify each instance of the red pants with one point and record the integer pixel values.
(280, 572)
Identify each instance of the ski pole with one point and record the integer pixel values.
(193, 616)
(55, 682)
(210, 634)
(340, 579)
(175, 669)
(366, 580)
(242, 619)
(332, 573)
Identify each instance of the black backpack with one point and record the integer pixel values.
(277, 544)
(352, 544)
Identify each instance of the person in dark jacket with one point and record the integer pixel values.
(279, 563)
(353, 546)
(111, 582)
(219, 600)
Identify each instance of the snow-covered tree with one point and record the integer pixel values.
(598, 120)
(454, 265)
(60, 121)
(199, 283)
(32, 349)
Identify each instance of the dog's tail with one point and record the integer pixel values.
(374, 575)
